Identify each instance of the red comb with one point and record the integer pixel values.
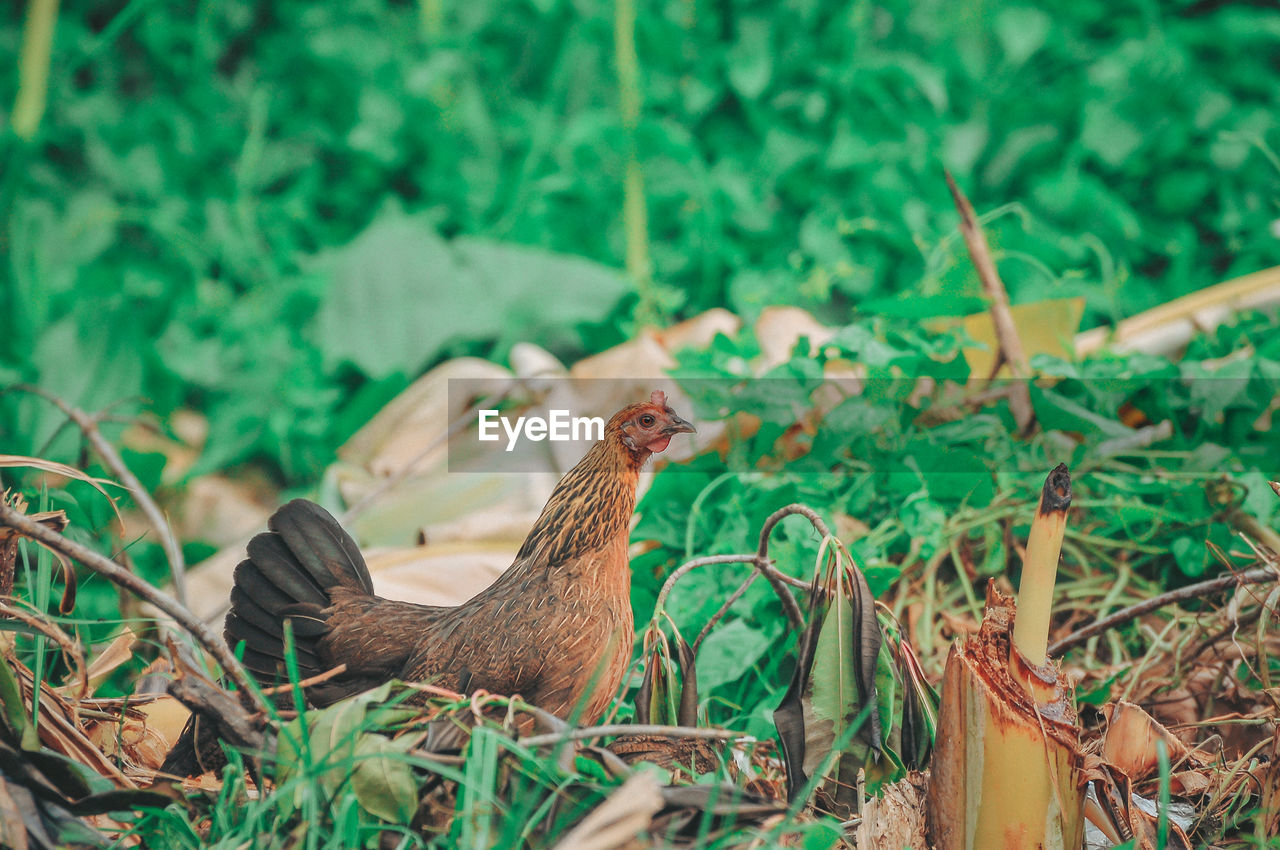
(659, 398)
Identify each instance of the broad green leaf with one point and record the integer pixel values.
(1191, 555)
(833, 696)
(398, 295)
(729, 651)
(1022, 31)
(85, 363)
(332, 737)
(1109, 135)
(383, 781)
(833, 699)
(15, 710)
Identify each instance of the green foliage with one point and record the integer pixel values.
(341, 747)
(194, 221)
(923, 478)
(279, 214)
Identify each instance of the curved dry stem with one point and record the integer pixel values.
(88, 425)
(144, 589)
(684, 568)
(764, 566)
(70, 647)
(780, 514)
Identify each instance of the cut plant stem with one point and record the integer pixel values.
(1006, 770)
(1040, 569)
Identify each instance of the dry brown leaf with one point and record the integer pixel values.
(1167, 328)
(619, 819)
(222, 510)
(780, 329)
(117, 652)
(55, 468)
(445, 574)
(1130, 742)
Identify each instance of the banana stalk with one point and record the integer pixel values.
(1006, 769)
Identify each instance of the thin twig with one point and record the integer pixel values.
(1001, 316)
(306, 683)
(139, 586)
(630, 729)
(724, 609)
(1181, 594)
(88, 425)
(435, 691)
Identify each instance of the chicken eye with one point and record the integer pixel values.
(647, 420)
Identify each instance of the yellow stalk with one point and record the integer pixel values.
(1040, 569)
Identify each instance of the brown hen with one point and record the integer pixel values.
(555, 627)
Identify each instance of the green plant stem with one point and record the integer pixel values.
(33, 68)
(431, 18)
(635, 211)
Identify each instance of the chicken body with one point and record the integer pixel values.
(555, 627)
(544, 629)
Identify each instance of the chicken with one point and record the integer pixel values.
(555, 627)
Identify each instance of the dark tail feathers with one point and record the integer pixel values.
(290, 574)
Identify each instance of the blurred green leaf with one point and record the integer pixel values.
(401, 293)
(750, 60)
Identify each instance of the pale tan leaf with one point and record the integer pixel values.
(1045, 327)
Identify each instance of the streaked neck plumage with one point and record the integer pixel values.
(591, 506)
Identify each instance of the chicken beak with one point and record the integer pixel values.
(679, 426)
